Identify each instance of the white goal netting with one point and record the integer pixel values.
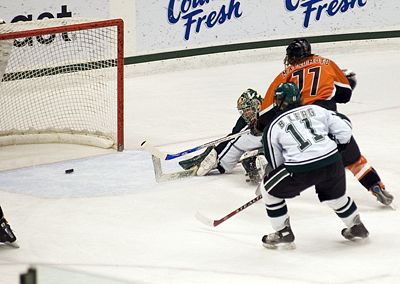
(61, 82)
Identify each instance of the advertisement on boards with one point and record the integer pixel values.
(40, 47)
(163, 25)
(28, 10)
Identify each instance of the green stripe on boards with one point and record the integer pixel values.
(257, 45)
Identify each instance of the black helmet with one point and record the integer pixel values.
(298, 49)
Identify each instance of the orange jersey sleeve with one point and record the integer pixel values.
(318, 78)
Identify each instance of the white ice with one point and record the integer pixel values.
(110, 217)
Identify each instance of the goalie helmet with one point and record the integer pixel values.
(297, 50)
(287, 95)
(248, 105)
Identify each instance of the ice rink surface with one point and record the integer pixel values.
(110, 217)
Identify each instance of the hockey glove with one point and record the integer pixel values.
(351, 76)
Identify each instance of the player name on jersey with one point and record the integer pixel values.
(296, 116)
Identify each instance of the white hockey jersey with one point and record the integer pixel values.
(230, 155)
(299, 138)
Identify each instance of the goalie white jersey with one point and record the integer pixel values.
(299, 138)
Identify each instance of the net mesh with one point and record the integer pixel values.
(59, 83)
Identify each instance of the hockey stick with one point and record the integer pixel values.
(213, 223)
(165, 156)
(160, 176)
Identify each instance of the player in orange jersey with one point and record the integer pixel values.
(323, 83)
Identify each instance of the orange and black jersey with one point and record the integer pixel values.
(319, 80)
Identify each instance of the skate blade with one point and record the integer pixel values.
(353, 238)
(8, 244)
(356, 238)
(393, 206)
(281, 246)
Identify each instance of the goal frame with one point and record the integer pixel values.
(70, 27)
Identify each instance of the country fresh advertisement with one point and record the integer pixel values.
(182, 24)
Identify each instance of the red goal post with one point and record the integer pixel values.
(62, 80)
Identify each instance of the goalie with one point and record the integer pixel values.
(225, 156)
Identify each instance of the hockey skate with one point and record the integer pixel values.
(384, 197)
(6, 234)
(357, 231)
(283, 239)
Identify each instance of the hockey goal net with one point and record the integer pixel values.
(61, 80)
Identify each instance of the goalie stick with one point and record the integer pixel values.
(160, 176)
(188, 172)
(165, 156)
(213, 223)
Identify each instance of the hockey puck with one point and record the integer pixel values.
(69, 171)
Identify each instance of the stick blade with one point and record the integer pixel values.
(203, 219)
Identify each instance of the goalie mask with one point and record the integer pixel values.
(297, 50)
(287, 95)
(248, 105)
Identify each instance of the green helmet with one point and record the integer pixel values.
(248, 105)
(287, 95)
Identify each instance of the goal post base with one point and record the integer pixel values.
(45, 138)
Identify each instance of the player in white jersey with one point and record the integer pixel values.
(301, 144)
(323, 83)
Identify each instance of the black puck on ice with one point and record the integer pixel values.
(69, 171)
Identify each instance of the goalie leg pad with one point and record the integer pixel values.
(209, 163)
(196, 160)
